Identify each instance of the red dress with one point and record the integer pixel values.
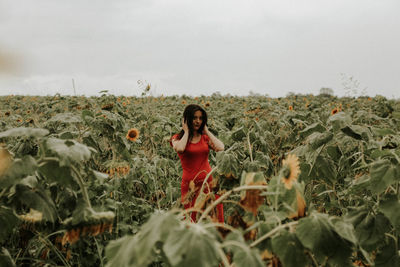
(195, 167)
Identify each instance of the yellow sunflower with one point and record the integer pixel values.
(133, 134)
(290, 107)
(183, 102)
(32, 217)
(290, 170)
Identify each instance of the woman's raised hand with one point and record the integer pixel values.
(185, 126)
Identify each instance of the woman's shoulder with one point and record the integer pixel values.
(174, 137)
(205, 137)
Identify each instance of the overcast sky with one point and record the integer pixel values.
(199, 47)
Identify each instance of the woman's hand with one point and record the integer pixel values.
(185, 126)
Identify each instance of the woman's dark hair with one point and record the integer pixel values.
(188, 115)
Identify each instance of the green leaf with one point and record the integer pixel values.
(390, 207)
(19, 169)
(238, 134)
(228, 164)
(139, 249)
(87, 116)
(369, 229)
(246, 257)
(69, 150)
(339, 120)
(357, 132)
(191, 246)
(317, 233)
(344, 228)
(8, 220)
(289, 250)
(325, 169)
(315, 127)
(318, 139)
(66, 135)
(5, 258)
(53, 172)
(380, 154)
(24, 132)
(382, 131)
(38, 200)
(85, 215)
(65, 118)
(334, 152)
(89, 141)
(387, 255)
(383, 174)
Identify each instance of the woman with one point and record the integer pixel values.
(193, 144)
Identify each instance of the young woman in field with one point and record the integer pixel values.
(193, 144)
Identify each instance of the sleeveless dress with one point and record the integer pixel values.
(195, 168)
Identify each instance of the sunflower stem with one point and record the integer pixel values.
(273, 231)
(221, 198)
(223, 257)
(82, 186)
(54, 248)
(248, 142)
(98, 251)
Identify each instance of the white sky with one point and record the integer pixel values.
(199, 47)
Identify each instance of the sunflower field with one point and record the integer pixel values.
(305, 181)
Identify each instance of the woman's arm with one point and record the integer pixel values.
(180, 145)
(215, 143)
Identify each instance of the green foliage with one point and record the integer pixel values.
(74, 190)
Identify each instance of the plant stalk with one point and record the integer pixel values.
(221, 198)
(273, 231)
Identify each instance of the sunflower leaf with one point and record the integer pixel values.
(317, 233)
(191, 246)
(24, 132)
(289, 250)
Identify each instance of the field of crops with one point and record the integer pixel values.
(305, 181)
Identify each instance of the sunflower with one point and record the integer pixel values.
(183, 102)
(32, 217)
(208, 104)
(133, 134)
(290, 170)
(107, 107)
(334, 111)
(290, 107)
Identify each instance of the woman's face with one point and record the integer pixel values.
(197, 120)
